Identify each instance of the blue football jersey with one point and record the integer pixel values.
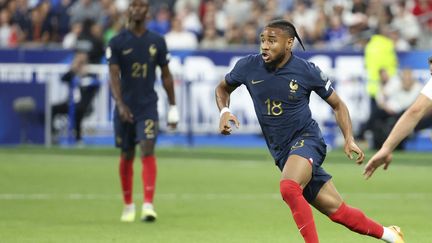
(137, 57)
(281, 98)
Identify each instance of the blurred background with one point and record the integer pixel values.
(375, 51)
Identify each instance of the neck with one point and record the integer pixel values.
(284, 60)
(137, 27)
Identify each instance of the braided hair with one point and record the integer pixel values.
(287, 27)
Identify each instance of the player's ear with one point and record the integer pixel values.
(289, 43)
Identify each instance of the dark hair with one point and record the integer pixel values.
(287, 27)
(430, 59)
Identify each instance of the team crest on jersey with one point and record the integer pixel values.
(152, 50)
(293, 85)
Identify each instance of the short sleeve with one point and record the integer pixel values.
(112, 53)
(163, 55)
(237, 75)
(427, 89)
(322, 85)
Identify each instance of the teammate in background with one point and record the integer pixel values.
(280, 84)
(133, 56)
(404, 126)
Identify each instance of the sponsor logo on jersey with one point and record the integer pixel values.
(127, 51)
(257, 81)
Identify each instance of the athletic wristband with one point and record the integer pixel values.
(173, 114)
(225, 109)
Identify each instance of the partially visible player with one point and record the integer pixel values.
(133, 56)
(404, 126)
(280, 85)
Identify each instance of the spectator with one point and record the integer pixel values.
(422, 10)
(90, 41)
(21, 16)
(336, 35)
(380, 54)
(250, 34)
(189, 19)
(40, 29)
(400, 43)
(394, 97)
(212, 40)
(233, 35)
(404, 93)
(7, 31)
(83, 87)
(70, 39)
(86, 9)
(161, 23)
(61, 18)
(403, 18)
(178, 38)
(383, 117)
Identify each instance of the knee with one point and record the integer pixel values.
(147, 148)
(290, 189)
(128, 155)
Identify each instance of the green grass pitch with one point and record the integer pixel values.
(203, 195)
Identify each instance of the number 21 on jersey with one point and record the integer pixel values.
(139, 70)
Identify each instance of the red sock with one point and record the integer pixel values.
(356, 220)
(149, 177)
(292, 194)
(126, 177)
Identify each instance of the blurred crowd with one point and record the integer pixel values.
(217, 24)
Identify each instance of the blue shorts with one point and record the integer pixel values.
(127, 135)
(314, 150)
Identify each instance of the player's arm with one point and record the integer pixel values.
(115, 85)
(222, 93)
(407, 122)
(404, 126)
(344, 121)
(168, 84)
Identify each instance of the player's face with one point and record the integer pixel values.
(275, 44)
(138, 10)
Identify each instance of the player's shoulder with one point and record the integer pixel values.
(306, 66)
(118, 38)
(250, 59)
(154, 36)
(303, 63)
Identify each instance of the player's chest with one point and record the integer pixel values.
(138, 52)
(283, 87)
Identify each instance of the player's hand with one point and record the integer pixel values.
(225, 123)
(382, 157)
(173, 117)
(125, 113)
(350, 148)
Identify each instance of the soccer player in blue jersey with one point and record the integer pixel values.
(133, 56)
(280, 85)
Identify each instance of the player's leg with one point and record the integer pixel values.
(79, 116)
(149, 168)
(124, 139)
(296, 174)
(126, 174)
(330, 203)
